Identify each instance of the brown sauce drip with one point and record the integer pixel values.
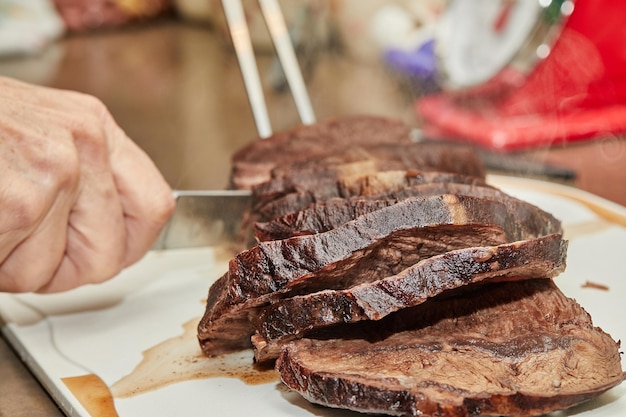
(180, 359)
(93, 394)
(612, 216)
(606, 213)
(595, 285)
(586, 228)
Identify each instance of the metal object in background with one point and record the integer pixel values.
(235, 17)
(287, 57)
(508, 163)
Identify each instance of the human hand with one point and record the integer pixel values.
(79, 201)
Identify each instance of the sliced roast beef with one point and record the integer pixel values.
(293, 317)
(510, 349)
(328, 214)
(368, 248)
(318, 218)
(426, 156)
(253, 164)
(359, 185)
(321, 174)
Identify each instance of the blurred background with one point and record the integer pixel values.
(169, 75)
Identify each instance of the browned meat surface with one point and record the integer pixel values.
(380, 183)
(371, 247)
(510, 349)
(331, 213)
(388, 277)
(295, 316)
(254, 163)
(370, 159)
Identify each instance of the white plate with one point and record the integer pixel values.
(108, 330)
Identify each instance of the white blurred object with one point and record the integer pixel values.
(401, 27)
(369, 27)
(28, 26)
(391, 26)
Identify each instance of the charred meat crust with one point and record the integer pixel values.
(359, 160)
(254, 163)
(386, 275)
(272, 269)
(332, 213)
(380, 183)
(293, 317)
(510, 348)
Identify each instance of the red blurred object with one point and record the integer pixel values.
(577, 92)
(81, 15)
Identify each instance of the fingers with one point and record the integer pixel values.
(146, 198)
(122, 205)
(35, 260)
(36, 195)
(97, 239)
(79, 200)
(76, 235)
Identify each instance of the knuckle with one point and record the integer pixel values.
(22, 211)
(64, 165)
(50, 160)
(90, 129)
(165, 208)
(160, 212)
(88, 102)
(97, 109)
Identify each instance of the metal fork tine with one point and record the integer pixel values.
(284, 49)
(235, 17)
(273, 16)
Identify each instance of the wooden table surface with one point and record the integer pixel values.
(176, 90)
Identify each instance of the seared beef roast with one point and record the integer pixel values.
(372, 246)
(375, 158)
(292, 317)
(509, 349)
(331, 213)
(358, 185)
(396, 280)
(253, 164)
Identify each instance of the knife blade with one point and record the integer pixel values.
(204, 218)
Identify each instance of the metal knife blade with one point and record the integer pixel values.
(204, 218)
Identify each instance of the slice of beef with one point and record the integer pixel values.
(379, 183)
(359, 185)
(311, 178)
(253, 164)
(328, 214)
(510, 349)
(427, 156)
(318, 218)
(422, 156)
(368, 248)
(293, 317)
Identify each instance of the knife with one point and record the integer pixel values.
(205, 218)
